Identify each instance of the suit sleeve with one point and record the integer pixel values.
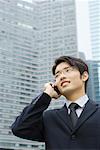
(29, 125)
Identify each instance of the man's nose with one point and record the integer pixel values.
(62, 76)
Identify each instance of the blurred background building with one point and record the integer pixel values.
(94, 16)
(19, 66)
(32, 34)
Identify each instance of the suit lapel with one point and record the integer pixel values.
(63, 114)
(89, 109)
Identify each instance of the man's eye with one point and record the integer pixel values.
(56, 75)
(67, 70)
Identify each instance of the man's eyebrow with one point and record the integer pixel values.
(63, 69)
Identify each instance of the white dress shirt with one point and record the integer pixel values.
(81, 102)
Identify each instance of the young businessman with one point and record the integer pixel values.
(75, 126)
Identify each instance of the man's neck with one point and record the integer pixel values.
(73, 97)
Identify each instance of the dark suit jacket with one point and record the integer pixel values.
(54, 126)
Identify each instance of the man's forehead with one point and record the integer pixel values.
(61, 66)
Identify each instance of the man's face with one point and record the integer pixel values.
(69, 80)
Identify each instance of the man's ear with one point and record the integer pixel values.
(85, 76)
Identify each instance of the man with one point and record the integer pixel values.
(75, 126)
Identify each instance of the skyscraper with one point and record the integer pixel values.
(94, 14)
(94, 81)
(18, 66)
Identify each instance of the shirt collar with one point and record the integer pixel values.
(80, 101)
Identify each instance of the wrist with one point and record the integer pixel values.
(48, 93)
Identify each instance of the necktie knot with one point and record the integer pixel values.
(73, 106)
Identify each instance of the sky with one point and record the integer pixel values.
(83, 28)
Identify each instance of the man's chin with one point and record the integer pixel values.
(65, 91)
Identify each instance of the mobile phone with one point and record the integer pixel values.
(56, 89)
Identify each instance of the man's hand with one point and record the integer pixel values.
(49, 89)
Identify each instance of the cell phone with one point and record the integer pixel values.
(56, 89)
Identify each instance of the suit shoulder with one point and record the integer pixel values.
(51, 112)
(96, 103)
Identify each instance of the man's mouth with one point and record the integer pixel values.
(64, 83)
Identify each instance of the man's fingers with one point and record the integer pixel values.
(47, 84)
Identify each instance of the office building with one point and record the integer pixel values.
(18, 67)
(94, 14)
(94, 80)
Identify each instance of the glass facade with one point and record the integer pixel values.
(94, 13)
(94, 80)
(94, 9)
(18, 67)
